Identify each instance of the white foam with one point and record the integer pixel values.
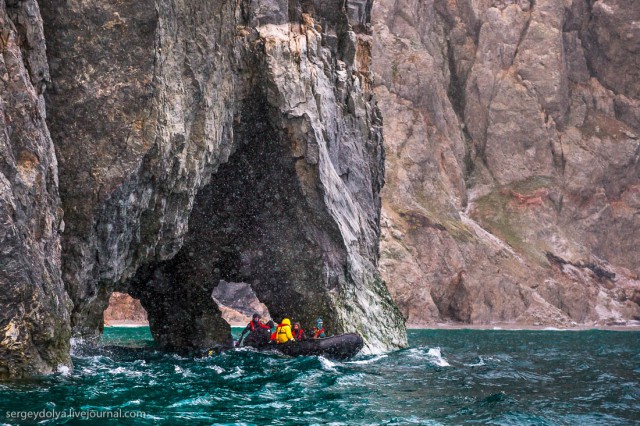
(477, 364)
(367, 361)
(189, 402)
(438, 359)
(64, 370)
(237, 372)
(126, 372)
(327, 364)
(216, 368)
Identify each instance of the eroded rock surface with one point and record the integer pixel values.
(205, 141)
(238, 303)
(293, 211)
(34, 308)
(513, 161)
(196, 141)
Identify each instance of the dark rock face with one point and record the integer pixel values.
(511, 134)
(293, 210)
(34, 317)
(240, 302)
(240, 141)
(138, 124)
(196, 141)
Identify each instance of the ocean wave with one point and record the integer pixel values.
(64, 370)
(327, 365)
(126, 371)
(442, 378)
(216, 368)
(372, 360)
(479, 363)
(439, 360)
(199, 401)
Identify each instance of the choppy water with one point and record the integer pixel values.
(445, 377)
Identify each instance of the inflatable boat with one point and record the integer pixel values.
(342, 346)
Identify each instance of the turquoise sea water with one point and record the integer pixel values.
(445, 377)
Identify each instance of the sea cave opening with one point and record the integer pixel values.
(252, 223)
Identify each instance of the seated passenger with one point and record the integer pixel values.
(297, 332)
(273, 335)
(283, 332)
(254, 325)
(318, 330)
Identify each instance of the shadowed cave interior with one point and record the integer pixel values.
(252, 223)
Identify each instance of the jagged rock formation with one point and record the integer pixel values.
(292, 211)
(513, 161)
(196, 141)
(237, 303)
(34, 308)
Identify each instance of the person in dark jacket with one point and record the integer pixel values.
(253, 326)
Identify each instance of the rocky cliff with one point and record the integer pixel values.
(513, 161)
(34, 308)
(195, 142)
(181, 143)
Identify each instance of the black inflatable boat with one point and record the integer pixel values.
(343, 346)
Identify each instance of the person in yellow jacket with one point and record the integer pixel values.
(283, 332)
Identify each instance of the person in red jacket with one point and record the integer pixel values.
(318, 330)
(254, 325)
(298, 332)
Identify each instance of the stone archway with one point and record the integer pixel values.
(253, 222)
(144, 116)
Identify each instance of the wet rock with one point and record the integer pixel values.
(231, 104)
(247, 130)
(34, 308)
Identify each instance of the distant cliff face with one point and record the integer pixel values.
(513, 159)
(124, 309)
(196, 141)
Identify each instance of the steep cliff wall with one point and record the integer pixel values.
(196, 141)
(34, 317)
(513, 167)
(205, 141)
